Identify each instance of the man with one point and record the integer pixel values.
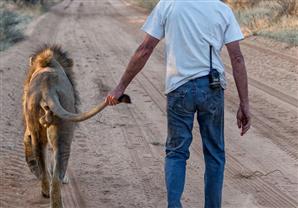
(193, 31)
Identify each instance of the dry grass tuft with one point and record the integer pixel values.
(288, 7)
(242, 4)
(274, 19)
(10, 28)
(15, 15)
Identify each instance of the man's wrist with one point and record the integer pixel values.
(121, 87)
(244, 103)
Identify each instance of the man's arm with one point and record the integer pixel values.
(135, 65)
(240, 76)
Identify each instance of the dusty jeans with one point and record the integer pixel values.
(182, 104)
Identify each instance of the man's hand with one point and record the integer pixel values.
(113, 96)
(135, 65)
(243, 118)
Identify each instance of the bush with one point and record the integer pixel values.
(25, 2)
(14, 16)
(241, 4)
(288, 7)
(9, 31)
(285, 35)
(262, 16)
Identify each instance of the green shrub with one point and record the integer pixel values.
(271, 19)
(10, 32)
(14, 16)
(285, 35)
(25, 2)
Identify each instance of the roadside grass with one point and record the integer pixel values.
(275, 19)
(147, 4)
(10, 28)
(284, 35)
(270, 19)
(286, 30)
(14, 17)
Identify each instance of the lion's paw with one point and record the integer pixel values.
(65, 180)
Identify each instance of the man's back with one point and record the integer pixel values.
(190, 27)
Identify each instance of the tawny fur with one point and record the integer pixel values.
(49, 109)
(41, 126)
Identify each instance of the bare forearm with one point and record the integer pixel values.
(135, 65)
(240, 76)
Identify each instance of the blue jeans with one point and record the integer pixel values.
(195, 97)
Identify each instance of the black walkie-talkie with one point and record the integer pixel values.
(214, 80)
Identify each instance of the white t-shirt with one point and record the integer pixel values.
(189, 28)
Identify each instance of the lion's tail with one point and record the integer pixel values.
(56, 107)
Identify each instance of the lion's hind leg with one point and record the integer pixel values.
(51, 169)
(35, 153)
(60, 140)
(32, 152)
(45, 183)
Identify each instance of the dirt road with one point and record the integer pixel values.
(117, 156)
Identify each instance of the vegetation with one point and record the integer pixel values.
(147, 4)
(10, 31)
(276, 19)
(15, 15)
(25, 2)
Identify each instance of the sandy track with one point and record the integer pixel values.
(272, 52)
(117, 157)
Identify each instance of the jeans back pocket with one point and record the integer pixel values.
(181, 100)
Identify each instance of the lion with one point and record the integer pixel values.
(49, 109)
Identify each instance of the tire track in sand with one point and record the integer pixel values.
(133, 135)
(271, 52)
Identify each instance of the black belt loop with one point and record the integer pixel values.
(210, 57)
(214, 77)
